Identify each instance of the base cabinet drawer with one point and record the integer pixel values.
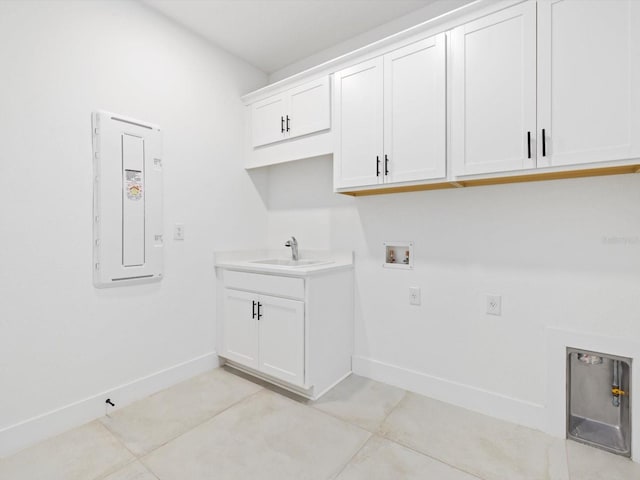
(276, 285)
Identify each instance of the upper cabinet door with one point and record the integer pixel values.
(358, 125)
(494, 92)
(589, 81)
(414, 111)
(268, 120)
(309, 108)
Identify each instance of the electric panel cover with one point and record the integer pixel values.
(127, 201)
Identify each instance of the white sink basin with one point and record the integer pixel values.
(281, 262)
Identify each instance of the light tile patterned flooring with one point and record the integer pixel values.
(221, 425)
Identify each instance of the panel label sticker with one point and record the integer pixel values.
(133, 180)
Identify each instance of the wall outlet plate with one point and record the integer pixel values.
(178, 231)
(414, 296)
(494, 305)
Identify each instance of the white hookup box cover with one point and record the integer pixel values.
(127, 201)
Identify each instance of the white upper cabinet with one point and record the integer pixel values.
(546, 84)
(267, 120)
(494, 92)
(309, 108)
(588, 81)
(531, 89)
(300, 111)
(358, 124)
(390, 119)
(415, 112)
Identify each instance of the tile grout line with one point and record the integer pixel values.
(352, 423)
(381, 434)
(260, 388)
(116, 468)
(391, 411)
(378, 433)
(348, 462)
(208, 419)
(403, 445)
(102, 476)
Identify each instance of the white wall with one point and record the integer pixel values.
(61, 340)
(434, 9)
(562, 254)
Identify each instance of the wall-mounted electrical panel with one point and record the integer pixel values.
(127, 201)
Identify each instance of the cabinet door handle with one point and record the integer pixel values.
(386, 165)
(281, 124)
(253, 310)
(288, 120)
(377, 166)
(544, 144)
(528, 144)
(259, 314)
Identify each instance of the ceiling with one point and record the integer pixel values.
(271, 34)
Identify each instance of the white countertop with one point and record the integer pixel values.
(245, 261)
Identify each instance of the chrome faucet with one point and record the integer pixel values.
(293, 243)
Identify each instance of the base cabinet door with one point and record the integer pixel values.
(240, 328)
(281, 334)
(264, 333)
(588, 77)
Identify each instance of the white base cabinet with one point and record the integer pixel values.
(266, 333)
(296, 332)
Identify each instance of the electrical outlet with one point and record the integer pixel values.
(494, 305)
(414, 295)
(178, 231)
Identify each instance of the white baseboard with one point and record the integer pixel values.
(493, 404)
(38, 428)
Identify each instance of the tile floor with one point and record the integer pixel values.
(221, 425)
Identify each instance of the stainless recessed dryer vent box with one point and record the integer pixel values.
(599, 400)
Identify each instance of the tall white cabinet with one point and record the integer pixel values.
(545, 84)
(390, 117)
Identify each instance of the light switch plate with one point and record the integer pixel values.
(494, 305)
